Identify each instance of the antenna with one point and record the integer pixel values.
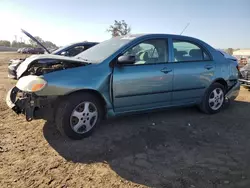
(185, 28)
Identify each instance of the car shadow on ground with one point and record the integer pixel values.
(171, 148)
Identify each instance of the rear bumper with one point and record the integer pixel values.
(245, 82)
(32, 106)
(234, 91)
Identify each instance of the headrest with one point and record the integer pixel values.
(175, 51)
(145, 57)
(195, 53)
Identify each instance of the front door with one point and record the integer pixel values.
(194, 71)
(146, 84)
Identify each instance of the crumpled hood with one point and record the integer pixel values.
(15, 61)
(28, 61)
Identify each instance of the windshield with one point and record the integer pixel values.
(101, 51)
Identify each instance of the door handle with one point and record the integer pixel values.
(208, 67)
(166, 70)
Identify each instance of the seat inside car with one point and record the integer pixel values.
(195, 54)
(143, 58)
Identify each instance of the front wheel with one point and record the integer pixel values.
(78, 115)
(213, 99)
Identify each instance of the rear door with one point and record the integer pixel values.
(194, 71)
(147, 83)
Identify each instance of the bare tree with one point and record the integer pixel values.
(119, 28)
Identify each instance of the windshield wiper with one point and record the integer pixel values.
(83, 59)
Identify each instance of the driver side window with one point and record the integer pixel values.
(149, 52)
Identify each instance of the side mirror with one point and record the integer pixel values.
(65, 53)
(123, 60)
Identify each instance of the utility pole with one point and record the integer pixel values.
(21, 44)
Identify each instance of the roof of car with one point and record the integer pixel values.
(160, 35)
(84, 42)
(157, 35)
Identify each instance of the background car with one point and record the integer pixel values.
(243, 61)
(245, 75)
(23, 50)
(74, 48)
(19, 50)
(69, 50)
(125, 75)
(32, 51)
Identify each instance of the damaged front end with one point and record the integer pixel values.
(12, 67)
(43, 64)
(31, 105)
(23, 100)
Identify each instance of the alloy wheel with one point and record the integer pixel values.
(83, 117)
(216, 99)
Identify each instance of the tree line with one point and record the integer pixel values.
(17, 44)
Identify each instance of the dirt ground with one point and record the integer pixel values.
(176, 148)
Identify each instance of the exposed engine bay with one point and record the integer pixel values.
(40, 68)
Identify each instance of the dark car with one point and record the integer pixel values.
(69, 50)
(33, 51)
(73, 49)
(20, 50)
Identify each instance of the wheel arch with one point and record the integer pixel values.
(92, 91)
(221, 81)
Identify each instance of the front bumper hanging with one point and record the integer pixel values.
(234, 91)
(24, 104)
(32, 106)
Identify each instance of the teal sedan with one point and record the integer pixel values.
(124, 75)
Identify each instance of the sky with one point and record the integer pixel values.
(221, 23)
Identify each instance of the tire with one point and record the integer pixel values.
(211, 103)
(74, 126)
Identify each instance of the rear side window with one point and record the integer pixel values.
(186, 51)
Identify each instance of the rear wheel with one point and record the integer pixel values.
(78, 115)
(213, 99)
